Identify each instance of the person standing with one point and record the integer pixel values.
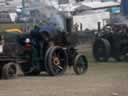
(81, 27)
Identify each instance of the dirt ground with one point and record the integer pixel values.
(102, 79)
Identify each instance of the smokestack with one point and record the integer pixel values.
(48, 14)
(99, 26)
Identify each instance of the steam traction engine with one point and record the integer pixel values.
(37, 51)
(50, 52)
(111, 41)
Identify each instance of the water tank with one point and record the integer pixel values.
(124, 7)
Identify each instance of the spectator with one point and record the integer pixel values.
(76, 26)
(81, 27)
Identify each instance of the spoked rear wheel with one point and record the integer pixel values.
(57, 61)
(80, 64)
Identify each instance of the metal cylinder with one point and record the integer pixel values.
(99, 26)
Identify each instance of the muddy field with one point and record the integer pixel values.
(102, 79)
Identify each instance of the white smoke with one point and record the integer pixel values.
(49, 14)
(57, 20)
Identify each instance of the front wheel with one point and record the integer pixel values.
(9, 71)
(80, 64)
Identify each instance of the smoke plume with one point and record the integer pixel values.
(48, 13)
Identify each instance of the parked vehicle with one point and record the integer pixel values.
(111, 41)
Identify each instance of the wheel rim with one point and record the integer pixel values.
(58, 61)
(101, 50)
(46, 59)
(81, 65)
(12, 71)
